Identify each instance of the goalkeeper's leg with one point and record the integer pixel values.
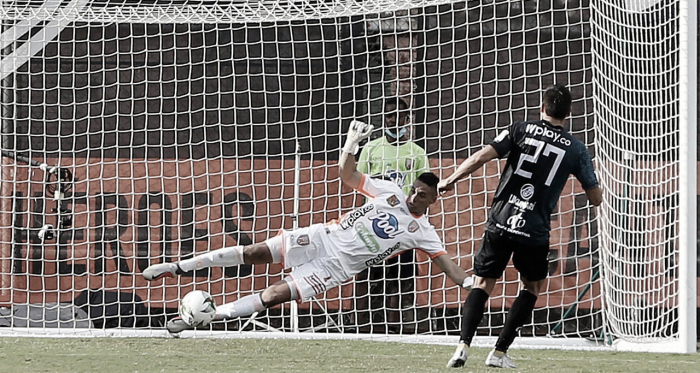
(228, 256)
(304, 282)
(279, 292)
(225, 257)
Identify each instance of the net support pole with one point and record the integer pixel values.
(687, 257)
(293, 306)
(7, 169)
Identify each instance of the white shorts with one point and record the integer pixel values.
(317, 276)
(314, 270)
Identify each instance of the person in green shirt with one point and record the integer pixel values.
(395, 157)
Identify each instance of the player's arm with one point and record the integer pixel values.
(471, 164)
(595, 196)
(586, 175)
(357, 132)
(453, 271)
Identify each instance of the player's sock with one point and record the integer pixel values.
(472, 313)
(245, 306)
(519, 313)
(228, 256)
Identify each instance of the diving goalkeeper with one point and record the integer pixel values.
(325, 255)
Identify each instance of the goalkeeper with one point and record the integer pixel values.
(325, 255)
(541, 156)
(396, 157)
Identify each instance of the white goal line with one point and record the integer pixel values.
(529, 343)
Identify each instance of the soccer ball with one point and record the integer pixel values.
(197, 308)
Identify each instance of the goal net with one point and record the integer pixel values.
(139, 132)
(648, 165)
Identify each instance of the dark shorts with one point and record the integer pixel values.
(496, 250)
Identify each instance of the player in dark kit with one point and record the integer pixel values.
(541, 156)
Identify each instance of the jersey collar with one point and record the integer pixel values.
(548, 123)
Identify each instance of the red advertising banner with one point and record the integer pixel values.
(128, 214)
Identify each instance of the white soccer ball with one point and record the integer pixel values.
(197, 308)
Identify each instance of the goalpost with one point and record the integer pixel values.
(645, 61)
(193, 124)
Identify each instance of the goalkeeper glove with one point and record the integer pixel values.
(357, 132)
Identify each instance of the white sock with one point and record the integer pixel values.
(245, 306)
(228, 256)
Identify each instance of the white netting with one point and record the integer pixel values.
(202, 11)
(183, 121)
(637, 96)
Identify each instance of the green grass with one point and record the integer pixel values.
(114, 355)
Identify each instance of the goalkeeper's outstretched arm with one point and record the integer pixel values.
(357, 132)
(453, 271)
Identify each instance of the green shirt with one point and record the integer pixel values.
(401, 163)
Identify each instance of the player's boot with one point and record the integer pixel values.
(459, 358)
(161, 270)
(176, 325)
(499, 360)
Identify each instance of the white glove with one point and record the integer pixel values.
(357, 132)
(468, 282)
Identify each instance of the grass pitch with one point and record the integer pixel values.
(114, 355)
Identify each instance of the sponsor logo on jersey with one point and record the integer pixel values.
(413, 226)
(538, 130)
(303, 240)
(523, 205)
(516, 221)
(367, 238)
(527, 191)
(350, 219)
(380, 258)
(393, 200)
(385, 225)
(409, 163)
(510, 230)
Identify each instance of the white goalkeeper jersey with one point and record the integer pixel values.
(381, 228)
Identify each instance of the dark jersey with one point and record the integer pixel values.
(540, 159)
